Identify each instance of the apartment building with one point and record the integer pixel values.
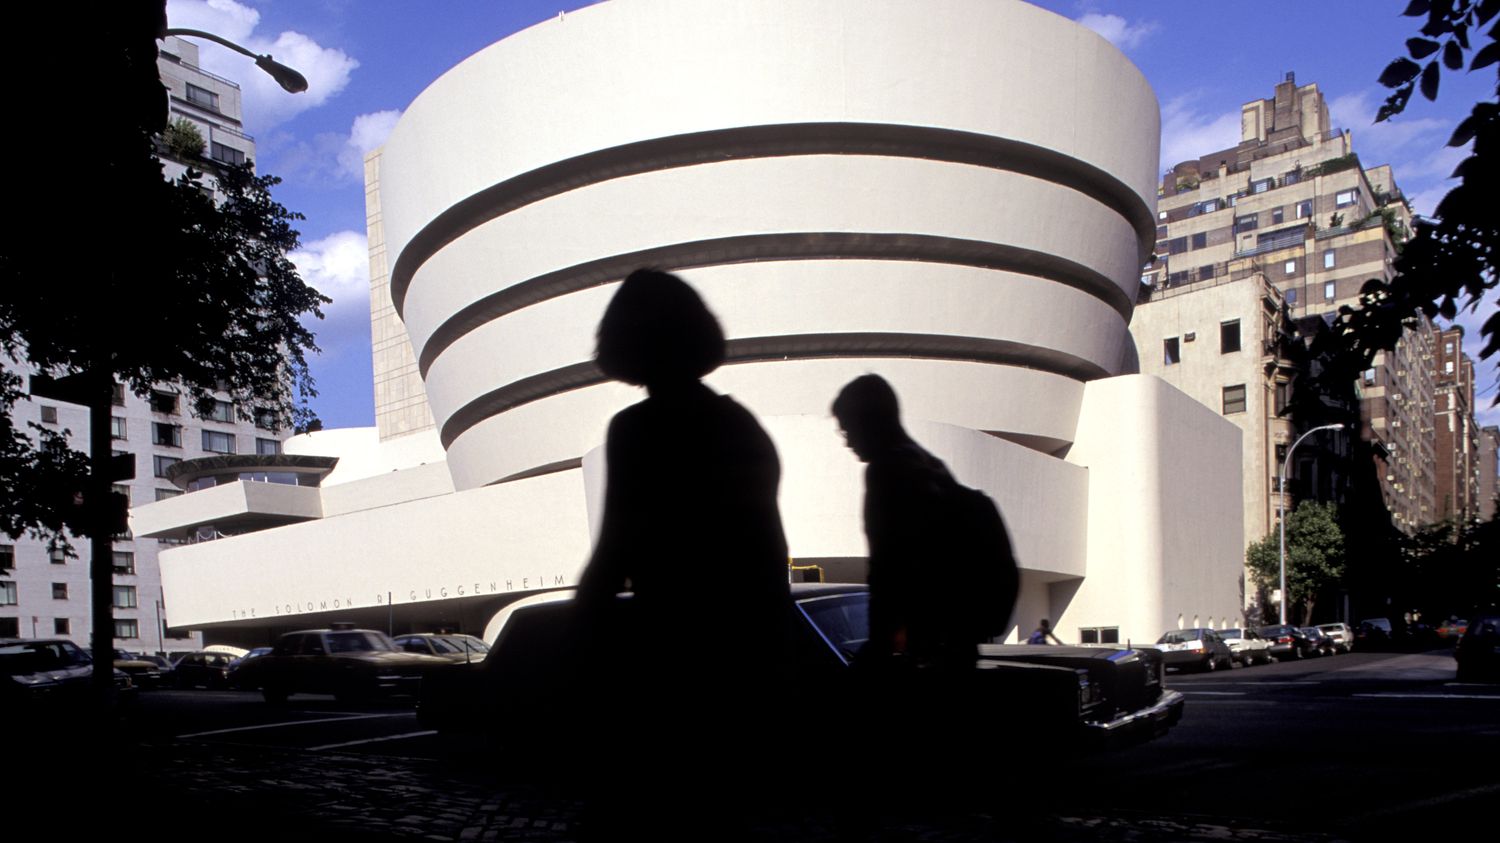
(1489, 449)
(1293, 202)
(1455, 432)
(46, 593)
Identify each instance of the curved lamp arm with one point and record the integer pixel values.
(290, 80)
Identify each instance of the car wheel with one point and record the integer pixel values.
(1211, 665)
(274, 694)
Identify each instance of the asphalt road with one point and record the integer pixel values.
(1365, 746)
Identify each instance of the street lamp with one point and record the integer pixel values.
(290, 80)
(1281, 504)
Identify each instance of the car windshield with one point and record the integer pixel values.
(1180, 636)
(1230, 633)
(459, 644)
(843, 619)
(1278, 630)
(357, 642)
(31, 656)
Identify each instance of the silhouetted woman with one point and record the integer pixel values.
(691, 526)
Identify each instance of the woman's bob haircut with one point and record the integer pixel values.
(657, 330)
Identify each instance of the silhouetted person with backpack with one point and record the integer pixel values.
(942, 576)
(1042, 633)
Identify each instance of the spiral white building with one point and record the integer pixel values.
(956, 194)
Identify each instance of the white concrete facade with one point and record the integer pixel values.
(918, 190)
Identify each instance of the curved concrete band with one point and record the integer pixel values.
(922, 189)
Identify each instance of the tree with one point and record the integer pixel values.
(1314, 556)
(184, 282)
(110, 274)
(1450, 262)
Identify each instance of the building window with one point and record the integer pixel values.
(1283, 394)
(1369, 376)
(1234, 399)
(1448, 369)
(59, 591)
(1261, 186)
(60, 626)
(266, 420)
(49, 414)
(1248, 222)
(1304, 209)
(164, 402)
(116, 427)
(1205, 272)
(1171, 352)
(1208, 207)
(169, 435)
(1161, 232)
(1291, 296)
(7, 557)
(165, 494)
(58, 555)
(1177, 245)
(118, 398)
(222, 411)
(1099, 635)
(202, 98)
(124, 562)
(1291, 267)
(124, 597)
(161, 464)
(1329, 261)
(1229, 336)
(1329, 289)
(267, 447)
(127, 628)
(226, 154)
(1277, 216)
(10, 627)
(1175, 278)
(8, 596)
(1161, 215)
(218, 443)
(1200, 240)
(1345, 197)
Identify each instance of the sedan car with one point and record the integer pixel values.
(50, 678)
(1287, 642)
(1478, 651)
(1342, 635)
(1247, 645)
(144, 673)
(1322, 644)
(203, 669)
(1088, 696)
(1195, 649)
(346, 662)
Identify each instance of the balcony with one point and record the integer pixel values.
(237, 507)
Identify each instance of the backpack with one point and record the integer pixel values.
(980, 553)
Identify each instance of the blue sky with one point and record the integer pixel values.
(367, 59)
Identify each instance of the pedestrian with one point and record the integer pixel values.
(1042, 633)
(911, 525)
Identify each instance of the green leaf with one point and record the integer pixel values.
(1487, 56)
(1417, 8)
(1429, 83)
(1421, 48)
(1399, 72)
(1487, 9)
(1465, 131)
(1453, 56)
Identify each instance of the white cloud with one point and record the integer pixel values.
(367, 132)
(338, 266)
(1187, 134)
(1117, 30)
(1380, 143)
(265, 103)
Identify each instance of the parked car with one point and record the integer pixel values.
(1452, 629)
(1195, 649)
(203, 669)
(1342, 635)
(1287, 642)
(50, 678)
(1371, 635)
(451, 646)
(1247, 645)
(346, 662)
(1322, 645)
(1086, 695)
(143, 672)
(237, 663)
(1478, 651)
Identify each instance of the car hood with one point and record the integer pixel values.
(394, 659)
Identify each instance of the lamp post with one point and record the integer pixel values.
(290, 80)
(1281, 505)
